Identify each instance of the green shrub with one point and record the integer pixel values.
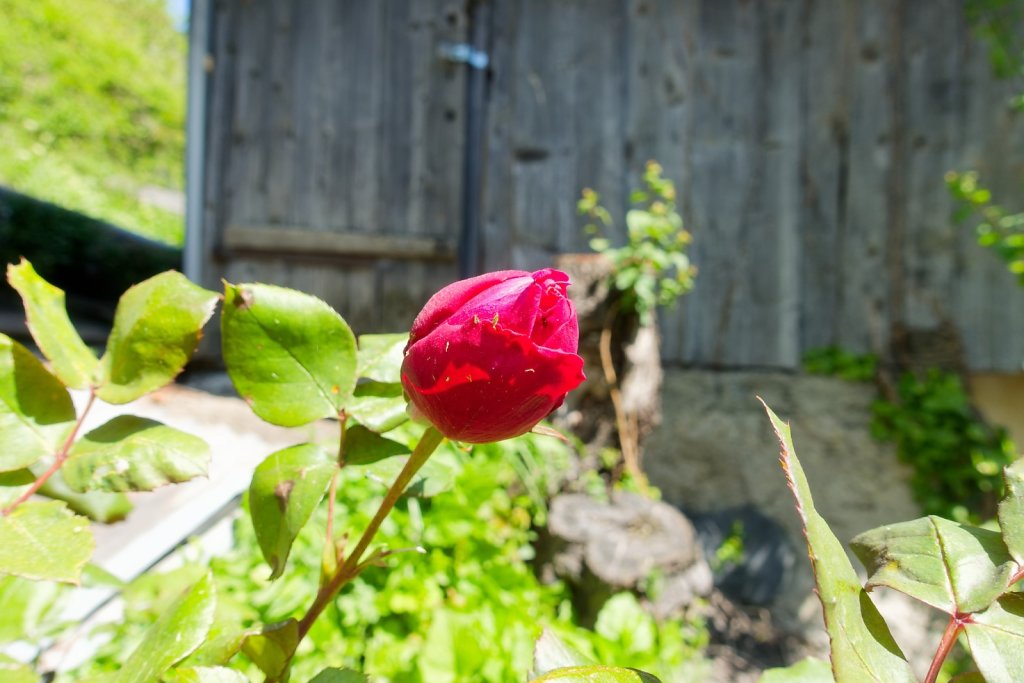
(469, 609)
(92, 107)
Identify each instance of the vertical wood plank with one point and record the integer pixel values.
(828, 52)
(807, 138)
(660, 97)
(555, 125)
(863, 306)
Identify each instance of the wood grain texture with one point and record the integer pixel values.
(808, 140)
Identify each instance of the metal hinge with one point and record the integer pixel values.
(463, 53)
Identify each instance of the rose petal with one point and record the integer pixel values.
(557, 328)
(515, 383)
(513, 304)
(450, 299)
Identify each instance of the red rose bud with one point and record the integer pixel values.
(491, 356)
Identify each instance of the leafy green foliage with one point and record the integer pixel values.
(73, 362)
(469, 610)
(380, 356)
(289, 354)
(1011, 511)
(36, 412)
(998, 23)
(99, 506)
(272, 648)
(92, 107)
(28, 612)
(596, 674)
(652, 268)
(285, 490)
(957, 459)
(45, 541)
(333, 675)
(863, 649)
(967, 572)
(131, 453)
(179, 631)
(997, 229)
(807, 670)
(380, 407)
(156, 329)
(953, 567)
(550, 653)
(205, 674)
(363, 446)
(12, 671)
(835, 362)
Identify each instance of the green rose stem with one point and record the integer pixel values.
(61, 456)
(428, 443)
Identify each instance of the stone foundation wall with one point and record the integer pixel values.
(715, 452)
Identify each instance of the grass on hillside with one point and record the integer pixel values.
(92, 107)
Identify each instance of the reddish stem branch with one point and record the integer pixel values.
(953, 628)
(61, 456)
(1017, 577)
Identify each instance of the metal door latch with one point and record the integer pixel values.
(463, 53)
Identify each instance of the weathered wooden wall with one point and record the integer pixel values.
(334, 118)
(808, 139)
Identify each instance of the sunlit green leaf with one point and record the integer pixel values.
(131, 453)
(272, 648)
(362, 446)
(550, 653)
(179, 631)
(205, 674)
(1011, 510)
(13, 671)
(596, 674)
(285, 489)
(36, 412)
(222, 643)
(953, 567)
(809, 670)
(996, 637)
(45, 540)
(380, 356)
(289, 354)
(433, 478)
(51, 328)
(156, 329)
(863, 649)
(333, 675)
(378, 407)
(968, 677)
(99, 506)
(25, 606)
